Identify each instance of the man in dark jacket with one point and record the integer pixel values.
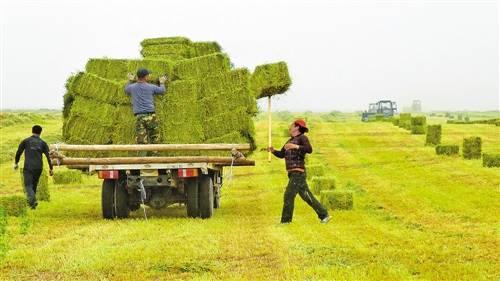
(294, 152)
(33, 148)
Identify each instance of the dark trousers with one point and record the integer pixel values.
(31, 178)
(297, 184)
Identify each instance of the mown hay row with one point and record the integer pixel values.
(433, 136)
(320, 183)
(471, 148)
(491, 160)
(447, 149)
(337, 200)
(67, 176)
(13, 205)
(270, 79)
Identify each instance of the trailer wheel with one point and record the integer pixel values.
(122, 209)
(192, 198)
(206, 197)
(107, 199)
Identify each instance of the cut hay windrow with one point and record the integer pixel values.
(337, 199)
(491, 160)
(321, 183)
(472, 148)
(418, 125)
(447, 149)
(270, 79)
(405, 121)
(433, 136)
(14, 205)
(201, 67)
(67, 176)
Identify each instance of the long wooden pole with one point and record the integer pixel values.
(225, 161)
(270, 143)
(148, 147)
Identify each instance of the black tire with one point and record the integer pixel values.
(206, 198)
(216, 197)
(192, 208)
(122, 209)
(107, 199)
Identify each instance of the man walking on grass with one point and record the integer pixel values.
(142, 93)
(33, 148)
(294, 152)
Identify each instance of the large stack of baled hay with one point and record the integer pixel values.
(433, 136)
(472, 148)
(207, 99)
(491, 160)
(418, 125)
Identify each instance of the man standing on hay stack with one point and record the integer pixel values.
(294, 152)
(146, 124)
(33, 148)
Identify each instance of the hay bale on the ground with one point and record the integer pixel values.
(336, 199)
(405, 121)
(42, 190)
(447, 149)
(433, 136)
(13, 205)
(270, 79)
(418, 125)
(395, 121)
(322, 183)
(67, 176)
(472, 148)
(315, 170)
(491, 160)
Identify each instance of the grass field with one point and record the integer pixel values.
(416, 216)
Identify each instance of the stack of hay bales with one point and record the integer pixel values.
(13, 205)
(433, 136)
(472, 148)
(447, 149)
(42, 190)
(418, 125)
(405, 121)
(491, 160)
(337, 199)
(67, 176)
(207, 100)
(320, 183)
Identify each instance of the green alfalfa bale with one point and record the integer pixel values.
(97, 66)
(418, 130)
(14, 205)
(270, 79)
(100, 89)
(337, 199)
(113, 69)
(103, 113)
(42, 190)
(405, 121)
(235, 119)
(433, 136)
(418, 124)
(491, 160)
(67, 176)
(205, 48)
(447, 149)
(395, 121)
(315, 170)
(173, 51)
(200, 67)
(319, 183)
(471, 148)
(156, 67)
(165, 40)
(124, 127)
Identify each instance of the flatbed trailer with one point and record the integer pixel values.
(157, 182)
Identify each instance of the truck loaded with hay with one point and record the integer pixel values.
(205, 123)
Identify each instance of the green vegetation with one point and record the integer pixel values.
(491, 160)
(405, 121)
(270, 79)
(433, 136)
(337, 199)
(319, 183)
(418, 124)
(447, 149)
(13, 205)
(472, 148)
(67, 176)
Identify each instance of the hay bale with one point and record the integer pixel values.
(315, 170)
(270, 79)
(67, 176)
(395, 121)
(337, 200)
(322, 183)
(170, 51)
(447, 149)
(433, 136)
(99, 89)
(472, 148)
(418, 125)
(42, 189)
(13, 205)
(405, 121)
(200, 67)
(165, 40)
(491, 160)
(206, 48)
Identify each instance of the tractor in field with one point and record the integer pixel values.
(382, 108)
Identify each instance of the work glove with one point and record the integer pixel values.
(15, 166)
(130, 76)
(163, 79)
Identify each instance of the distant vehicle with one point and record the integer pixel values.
(383, 108)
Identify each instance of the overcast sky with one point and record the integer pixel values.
(341, 55)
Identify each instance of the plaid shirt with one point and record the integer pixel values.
(294, 158)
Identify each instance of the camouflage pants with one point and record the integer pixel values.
(146, 130)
